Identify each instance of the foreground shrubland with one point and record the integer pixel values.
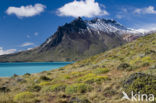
(98, 79)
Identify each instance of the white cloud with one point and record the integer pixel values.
(26, 11)
(36, 33)
(27, 44)
(9, 51)
(83, 8)
(147, 10)
(29, 48)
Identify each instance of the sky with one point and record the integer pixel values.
(25, 24)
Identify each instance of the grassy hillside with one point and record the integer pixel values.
(98, 79)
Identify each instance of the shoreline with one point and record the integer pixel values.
(32, 68)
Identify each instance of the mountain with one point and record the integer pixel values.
(102, 78)
(76, 40)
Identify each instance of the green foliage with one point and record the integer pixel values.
(4, 89)
(57, 87)
(27, 74)
(77, 88)
(77, 80)
(79, 100)
(45, 78)
(91, 78)
(24, 97)
(44, 83)
(67, 76)
(101, 70)
(34, 88)
(144, 84)
(124, 66)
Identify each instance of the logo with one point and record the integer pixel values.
(138, 97)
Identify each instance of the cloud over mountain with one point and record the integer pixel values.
(9, 51)
(26, 11)
(83, 8)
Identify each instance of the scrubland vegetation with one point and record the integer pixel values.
(98, 79)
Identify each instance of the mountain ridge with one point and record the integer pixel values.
(76, 40)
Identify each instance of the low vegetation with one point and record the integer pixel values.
(98, 79)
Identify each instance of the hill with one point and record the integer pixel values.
(75, 41)
(99, 79)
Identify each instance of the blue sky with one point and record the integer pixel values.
(25, 24)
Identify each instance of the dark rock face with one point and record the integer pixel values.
(70, 29)
(71, 42)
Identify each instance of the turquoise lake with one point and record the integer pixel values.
(9, 69)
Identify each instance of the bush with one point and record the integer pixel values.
(67, 77)
(101, 78)
(34, 88)
(44, 83)
(88, 78)
(77, 88)
(91, 78)
(58, 87)
(27, 74)
(140, 82)
(45, 78)
(4, 89)
(101, 70)
(124, 66)
(24, 97)
(146, 59)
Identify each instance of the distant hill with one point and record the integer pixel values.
(99, 79)
(76, 40)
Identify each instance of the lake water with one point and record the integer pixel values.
(9, 69)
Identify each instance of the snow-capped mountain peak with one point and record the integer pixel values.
(106, 25)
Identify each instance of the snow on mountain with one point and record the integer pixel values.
(111, 26)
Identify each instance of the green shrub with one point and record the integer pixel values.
(34, 88)
(78, 73)
(101, 70)
(58, 87)
(101, 78)
(4, 89)
(140, 82)
(91, 78)
(44, 83)
(24, 97)
(77, 88)
(146, 59)
(27, 74)
(88, 78)
(67, 77)
(79, 100)
(45, 78)
(124, 66)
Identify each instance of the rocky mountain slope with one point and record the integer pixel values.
(77, 40)
(99, 79)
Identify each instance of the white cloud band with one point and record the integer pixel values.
(27, 44)
(83, 8)
(147, 10)
(9, 51)
(26, 11)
